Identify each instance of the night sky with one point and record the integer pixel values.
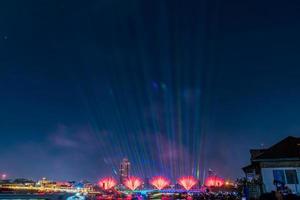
(177, 86)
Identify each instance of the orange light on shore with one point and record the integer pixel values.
(107, 183)
(214, 181)
(187, 182)
(160, 182)
(133, 183)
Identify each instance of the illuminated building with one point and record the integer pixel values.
(124, 170)
(44, 182)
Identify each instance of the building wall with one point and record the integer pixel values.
(268, 179)
(124, 170)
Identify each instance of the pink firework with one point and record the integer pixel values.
(160, 182)
(187, 182)
(133, 183)
(107, 183)
(214, 181)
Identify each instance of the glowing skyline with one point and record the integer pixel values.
(175, 86)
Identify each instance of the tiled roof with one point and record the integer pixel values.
(286, 149)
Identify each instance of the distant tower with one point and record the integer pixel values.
(124, 170)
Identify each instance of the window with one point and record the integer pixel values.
(279, 176)
(291, 176)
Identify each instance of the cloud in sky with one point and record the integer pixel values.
(66, 153)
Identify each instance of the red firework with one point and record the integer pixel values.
(107, 183)
(133, 182)
(160, 182)
(214, 181)
(187, 182)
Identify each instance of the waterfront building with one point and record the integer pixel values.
(273, 167)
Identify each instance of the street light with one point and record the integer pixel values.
(3, 176)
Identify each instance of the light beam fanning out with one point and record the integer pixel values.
(160, 182)
(107, 183)
(187, 182)
(214, 181)
(133, 183)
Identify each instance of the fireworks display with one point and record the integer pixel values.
(133, 183)
(214, 181)
(160, 182)
(107, 183)
(187, 182)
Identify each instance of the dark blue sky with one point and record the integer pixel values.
(176, 86)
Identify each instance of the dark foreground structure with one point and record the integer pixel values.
(274, 169)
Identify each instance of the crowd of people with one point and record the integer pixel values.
(216, 196)
(177, 196)
(203, 196)
(200, 196)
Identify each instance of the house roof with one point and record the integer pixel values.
(256, 152)
(288, 148)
